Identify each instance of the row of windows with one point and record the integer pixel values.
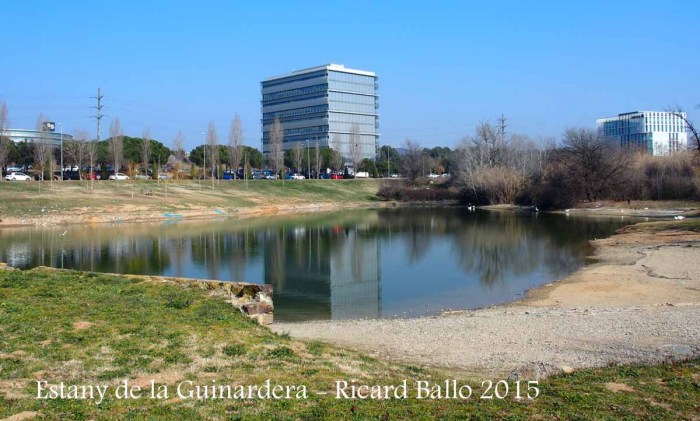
(352, 87)
(664, 128)
(613, 129)
(318, 118)
(348, 127)
(296, 112)
(352, 118)
(298, 103)
(321, 75)
(299, 131)
(295, 92)
(291, 125)
(350, 107)
(356, 99)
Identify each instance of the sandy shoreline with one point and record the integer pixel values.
(639, 303)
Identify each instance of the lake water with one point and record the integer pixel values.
(352, 264)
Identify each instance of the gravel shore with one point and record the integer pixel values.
(639, 303)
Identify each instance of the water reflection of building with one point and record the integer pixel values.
(355, 288)
(325, 272)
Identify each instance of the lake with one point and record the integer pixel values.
(380, 263)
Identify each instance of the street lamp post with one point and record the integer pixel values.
(61, 126)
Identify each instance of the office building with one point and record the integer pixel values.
(656, 132)
(327, 105)
(32, 136)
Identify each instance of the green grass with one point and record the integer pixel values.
(97, 329)
(690, 224)
(35, 199)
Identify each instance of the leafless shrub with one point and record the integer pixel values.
(594, 166)
(493, 168)
(664, 177)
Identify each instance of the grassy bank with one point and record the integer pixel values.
(83, 329)
(31, 201)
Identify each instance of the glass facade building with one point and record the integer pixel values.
(31, 136)
(330, 105)
(656, 132)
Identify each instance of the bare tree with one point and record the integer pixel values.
(212, 142)
(337, 154)
(91, 155)
(413, 159)
(116, 144)
(490, 165)
(355, 146)
(75, 149)
(42, 147)
(678, 112)
(317, 154)
(592, 163)
(179, 146)
(297, 156)
(235, 144)
(5, 144)
(276, 154)
(145, 147)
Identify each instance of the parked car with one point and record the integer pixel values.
(297, 176)
(17, 176)
(14, 169)
(336, 176)
(71, 175)
(325, 176)
(270, 175)
(118, 176)
(141, 177)
(163, 176)
(93, 176)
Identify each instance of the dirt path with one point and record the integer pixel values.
(639, 303)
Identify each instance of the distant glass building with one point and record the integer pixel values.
(31, 136)
(322, 105)
(656, 132)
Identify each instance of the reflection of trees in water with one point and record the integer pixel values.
(100, 252)
(489, 245)
(496, 245)
(214, 250)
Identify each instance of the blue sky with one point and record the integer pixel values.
(443, 66)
